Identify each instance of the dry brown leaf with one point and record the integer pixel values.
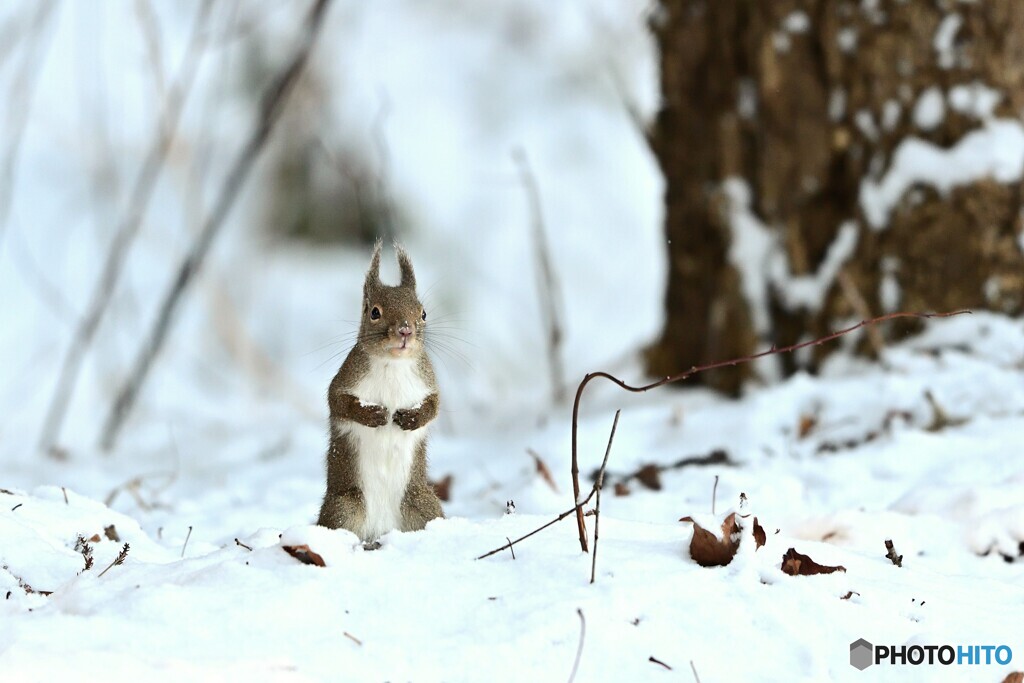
(542, 469)
(303, 554)
(443, 488)
(708, 550)
(111, 533)
(807, 425)
(760, 537)
(95, 538)
(621, 489)
(1015, 677)
(796, 564)
(650, 477)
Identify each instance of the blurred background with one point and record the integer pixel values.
(189, 191)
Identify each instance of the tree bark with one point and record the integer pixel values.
(781, 120)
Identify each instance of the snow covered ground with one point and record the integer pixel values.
(221, 466)
(836, 464)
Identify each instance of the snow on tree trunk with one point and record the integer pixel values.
(826, 161)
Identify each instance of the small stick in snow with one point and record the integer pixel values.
(597, 487)
(891, 553)
(249, 548)
(510, 547)
(16, 507)
(117, 560)
(657, 661)
(694, 669)
(185, 544)
(579, 648)
(65, 492)
(714, 494)
(352, 638)
(697, 369)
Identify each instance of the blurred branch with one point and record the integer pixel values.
(19, 104)
(150, 28)
(274, 100)
(549, 291)
(126, 233)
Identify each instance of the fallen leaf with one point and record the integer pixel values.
(111, 533)
(708, 550)
(443, 488)
(650, 477)
(95, 538)
(621, 489)
(542, 469)
(303, 554)
(796, 564)
(807, 425)
(760, 537)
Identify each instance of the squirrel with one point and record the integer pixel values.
(381, 402)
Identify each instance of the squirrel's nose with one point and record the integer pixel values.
(405, 330)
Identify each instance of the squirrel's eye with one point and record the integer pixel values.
(375, 314)
(424, 316)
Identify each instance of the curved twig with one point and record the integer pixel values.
(580, 523)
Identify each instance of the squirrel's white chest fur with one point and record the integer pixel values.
(385, 454)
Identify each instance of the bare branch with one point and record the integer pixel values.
(697, 369)
(114, 264)
(273, 102)
(597, 488)
(19, 100)
(550, 294)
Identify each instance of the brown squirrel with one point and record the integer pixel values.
(381, 402)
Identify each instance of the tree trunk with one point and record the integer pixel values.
(826, 161)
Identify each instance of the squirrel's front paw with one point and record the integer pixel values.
(372, 415)
(407, 419)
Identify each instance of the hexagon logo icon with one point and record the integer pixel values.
(861, 654)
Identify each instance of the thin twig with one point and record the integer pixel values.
(579, 648)
(113, 266)
(657, 661)
(694, 670)
(714, 494)
(65, 492)
(510, 547)
(185, 544)
(597, 503)
(550, 294)
(580, 523)
(890, 553)
(117, 560)
(20, 98)
(274, 100)
(239, 543)
(352, 638)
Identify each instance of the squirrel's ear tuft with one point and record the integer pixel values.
(405, 266)
(373, 274)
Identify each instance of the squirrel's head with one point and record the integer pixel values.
(393, 319)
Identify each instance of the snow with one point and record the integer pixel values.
(995, 150)
(808, 292)
(974, 99)
(930, 109)
(222, 466)
(943, 42)
(796, 22)
(749, 250)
